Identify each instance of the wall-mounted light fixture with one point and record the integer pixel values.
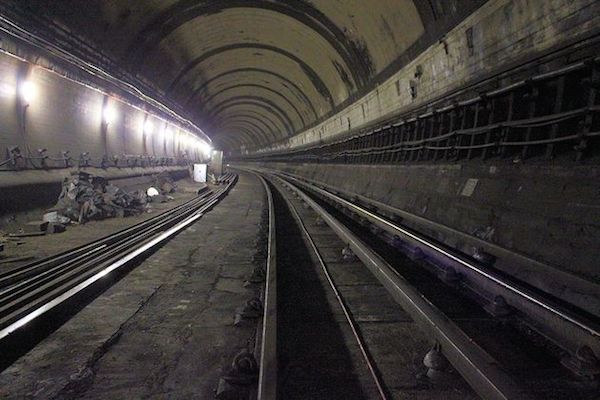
(109, 114)
(184, 139)
(148, 127)
(27, 91)
(167, 133)
(141, 123)
(205, 148)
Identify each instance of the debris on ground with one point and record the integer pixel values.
(152, 191)
(203, 188)
(162, 187)
(26, 234)
(212, 178)
(34, 227)
(55, 217)
(164, 183)
(86, 197)
(55, 227)
(160, 198)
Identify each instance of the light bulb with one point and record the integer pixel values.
(148, 127)
(109, 114)
(27, 91)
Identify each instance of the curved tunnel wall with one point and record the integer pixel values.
(264, 75)
(468, 53)
(319, 55)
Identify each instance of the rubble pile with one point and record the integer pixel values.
(85, 197)
(164, 183)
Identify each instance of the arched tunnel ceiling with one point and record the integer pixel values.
(251, 72)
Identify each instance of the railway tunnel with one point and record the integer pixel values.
(299, 199)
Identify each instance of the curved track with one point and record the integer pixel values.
(495, 355)
(33, 290)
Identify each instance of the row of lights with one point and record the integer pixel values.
(146, 126)
(28, 91)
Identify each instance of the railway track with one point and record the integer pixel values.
(32, 291)
(359, 325)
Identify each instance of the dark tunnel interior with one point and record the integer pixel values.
(416, 184)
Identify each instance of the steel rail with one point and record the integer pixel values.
(267, 376)
(83, 262)
(267, 383)
(66, 295)
(38, 295)
(586, 332)
(18, 312)
(48, 279)
(355, 332)
(477, 367)
(12, 301)
(575, 284)
(69, 279)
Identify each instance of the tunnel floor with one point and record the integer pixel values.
(164, 330)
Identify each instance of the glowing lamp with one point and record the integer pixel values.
(205, 148)
(27, 91)
(148, 127)
(109, 114)
(167, 133)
